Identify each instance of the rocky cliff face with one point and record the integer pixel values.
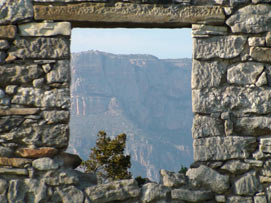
(147, 98)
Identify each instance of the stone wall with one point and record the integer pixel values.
(231, 81)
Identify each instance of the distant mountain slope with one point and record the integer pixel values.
(147, 98)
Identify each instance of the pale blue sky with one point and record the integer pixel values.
(163, 43)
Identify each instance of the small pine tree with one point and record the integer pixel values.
(107, 158)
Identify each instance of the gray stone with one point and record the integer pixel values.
(11, 89)
(239, 199)
(248, 184)
(16, 191)
(244, 73)
(68, 160)
(222, 47)
(62, 177)
(8, 32)
(191, 196)
(15, 74)
(13, 11)
(41, 47)
(234, 3)
(238, 99)
(207, 178)
(256, 41)
(36, 190)
(46, 68)
(56, 116)
(3, 56)
(40, 98)
(60, 72)
(254, 163)
(204, 30)
(207, 74)
(2, 94)
(206, 126)
(262, 80)
(251, 19)
(38, 83)
(71, 195)
(171, 179)
(260, 199)
(153, 191)
(253, 126)
(45, 163)
(265, 145)
(261, 54)
(113, 191)
(45, 29)
(220, 198)
(7, 123)
(223, 148)
(4, 44)
(3, 186)
(235, 166)
(268, 38)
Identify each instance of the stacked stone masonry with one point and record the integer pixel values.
(231, 88)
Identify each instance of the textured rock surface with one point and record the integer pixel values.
(60, 72)
(261, 54)
(153, 191)
(208, 178)
(251, 19)
(13, 11)
(248, 184)
(8, 31)
(36, 153)
(223, 148)
(191, 196)
(171, 179)
(222, 47)
(236, 166)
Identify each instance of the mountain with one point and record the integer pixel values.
(143, 96)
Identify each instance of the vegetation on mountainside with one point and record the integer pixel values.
(107, 158)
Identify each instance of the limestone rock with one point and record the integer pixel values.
(262, 54)
(13, 171)
(45, 164)
(206, 126)
(8, 123)
(223, 148)
(56, 116)
(260, 199)
(14, 162)
(45, 29)
(14, 11)
(4, 44)
(41, 47)
(240, 99)
(171, 179)
(248, 184)
(262, 80)
(36, 190)
(251, 19)
(256, 41)
(207, 178)
(60, 72)
(191, 196)
(223, 47)
(8, 31)
(16, 191)
(265, 145)
(18, 111)
(69, 160)
(239, 199)
(236, 166)
(113, 191)
(202, 29)
(220, 198)
(40, 98)
(36, 153)
(71, 195)
(19, 74)
(64, 177)
(6, 152)
(206, 74)
(244, 73)
(3, 186)
(253, 126)
(38, 83)
(153, 191)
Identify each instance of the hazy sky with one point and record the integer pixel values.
(163, 43)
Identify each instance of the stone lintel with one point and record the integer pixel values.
(13, 171)
(129, 14)
(18, 111)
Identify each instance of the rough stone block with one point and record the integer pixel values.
(8, 31)
(56, 116)
(14, 74)
(113, 191)
(13, 171)
(18, 111)
(223, 148)
(239, 199)
(261, 54)
(191, 196)
(36, 153)
(206, 126)
(71, 194)
(248, 184)
(221, 46)
(14, 11)
(4, 44)
(45, 164)
(40, 98)
(207, 74)
(6, 152)
(60, 72)
(251, 19)
(202, 29)
(235, 166)
(171, 179)
(45, 29)
(207, 178)
(244, 73)
(260, 199)
(14, 162)
(41, 48)
(239, 99)
(256, 41)
(153, 191)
